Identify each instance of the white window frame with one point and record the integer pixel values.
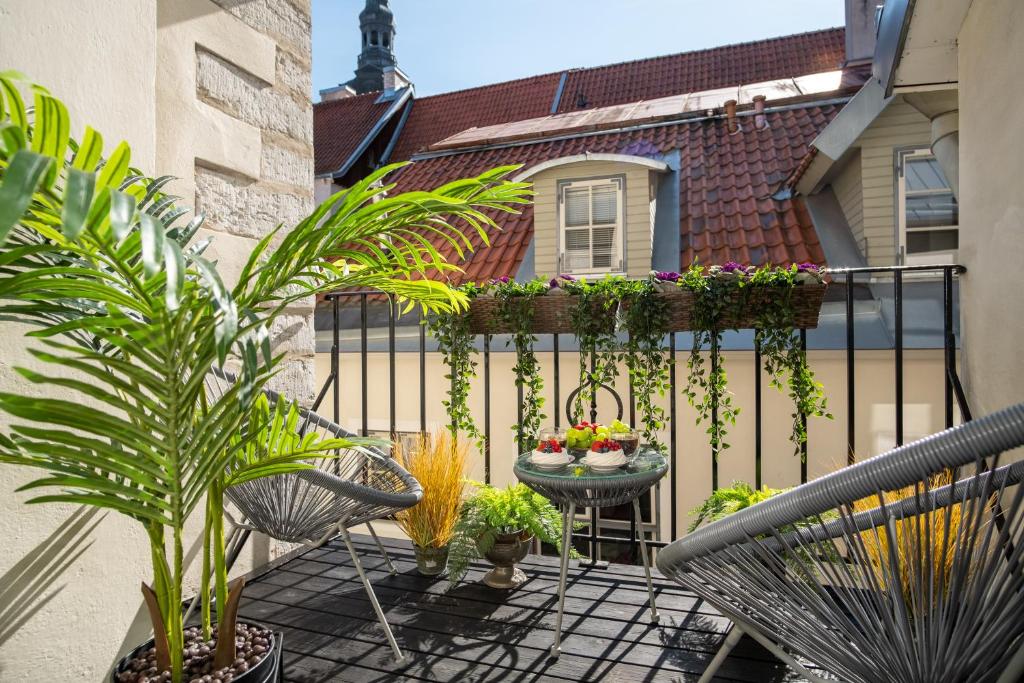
(618, 260)
(944, 256)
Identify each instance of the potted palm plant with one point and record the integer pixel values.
(438, 463)
(93, 254)
(500, 525)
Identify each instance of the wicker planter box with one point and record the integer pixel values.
(806, 299)
(552, 314)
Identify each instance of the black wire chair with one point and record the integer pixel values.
(906, 567)
(356, 486)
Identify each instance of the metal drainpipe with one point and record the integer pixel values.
(946, 147)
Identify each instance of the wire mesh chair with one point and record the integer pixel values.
(357, 486)
(906, 567)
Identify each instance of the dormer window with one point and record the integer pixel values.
(591, 226)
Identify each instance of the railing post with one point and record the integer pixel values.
(487, 409)
(757, 413)
(948, 342)
(803, 415)
(672, 433)
(555, 360)
(423, 372)
(898, 324)
(364, 361)
(714, 411)
(336, 359)
(851, 391)
(391, 366)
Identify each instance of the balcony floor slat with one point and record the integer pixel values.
(474, 633)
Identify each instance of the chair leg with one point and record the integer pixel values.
(731, 638)
(567, 521)
(373, 597)
(647, 561)
(380, 546)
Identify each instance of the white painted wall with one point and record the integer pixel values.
(991, 55)
(129, 68)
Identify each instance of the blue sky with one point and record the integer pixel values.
(452, 44)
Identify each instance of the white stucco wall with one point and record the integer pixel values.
(130, 69)
(991, 54)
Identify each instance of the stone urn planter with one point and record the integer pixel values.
(507, 551)
(431, 561)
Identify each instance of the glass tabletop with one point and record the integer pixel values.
(643, 462)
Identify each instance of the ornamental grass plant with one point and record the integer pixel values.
(438, 462)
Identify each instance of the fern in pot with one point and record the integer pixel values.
(438, 463)
(500, 525)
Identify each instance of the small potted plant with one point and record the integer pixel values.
(500, 524)
(438, 463)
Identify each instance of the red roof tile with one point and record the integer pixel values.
(438, 117)
(726, 182)
(762, 60)
(340, 125)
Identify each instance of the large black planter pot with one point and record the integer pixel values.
(267, 671)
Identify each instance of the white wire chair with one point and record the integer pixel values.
(355, 487)
(875, 573)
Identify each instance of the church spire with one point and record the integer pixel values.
(377, 25)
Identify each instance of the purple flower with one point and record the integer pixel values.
(557, 282)
(732, 267)
(667, 276)
(807, 267)
(503, 280)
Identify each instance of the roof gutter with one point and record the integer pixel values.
(403, 96)
(694, 117)
(893, 27)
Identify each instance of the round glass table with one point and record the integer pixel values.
(576, 485)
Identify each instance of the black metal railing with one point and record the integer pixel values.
(850, 280)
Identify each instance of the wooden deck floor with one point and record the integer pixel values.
(474, 633)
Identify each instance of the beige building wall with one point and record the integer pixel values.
(991, 54)
(924, 414)
(639, 205)
(870, 208)
(849, 190)
(217, 94)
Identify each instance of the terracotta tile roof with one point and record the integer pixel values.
(762, 60)
(726, 182)
(340, 125)
(437, 117)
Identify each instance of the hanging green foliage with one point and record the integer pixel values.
(785, 360)
(455, 343)
(644, 315)
(516, 310)
(593, 323)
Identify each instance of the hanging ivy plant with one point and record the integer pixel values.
(593, 323)
(645, 316)
(455, 343)
(716, 296)
(516, 310)
(785, 361)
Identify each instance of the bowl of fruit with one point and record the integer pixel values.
(550, 455)
(580, 436)
(605, 455)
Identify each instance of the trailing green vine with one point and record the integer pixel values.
(516, 311)
(785, 360)
(716, 296)
(645, 317)
(593, 322)
(455, 343)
